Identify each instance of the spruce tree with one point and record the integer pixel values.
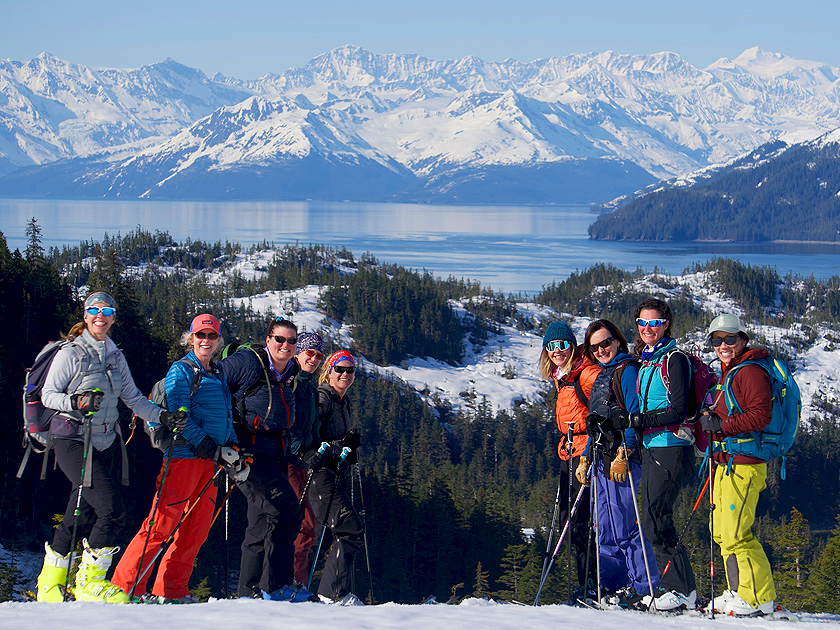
(824, 582)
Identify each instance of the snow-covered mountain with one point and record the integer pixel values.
(579, 127)
(52, 109)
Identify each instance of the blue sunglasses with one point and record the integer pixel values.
(551, 346)
(107, 311)
(653, 323)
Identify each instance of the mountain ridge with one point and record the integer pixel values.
(654, 115)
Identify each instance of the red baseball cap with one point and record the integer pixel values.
(206, 321)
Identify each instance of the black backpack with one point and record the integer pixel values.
(253, 388)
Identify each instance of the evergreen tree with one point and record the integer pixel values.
(481, 587)
(824, 582)
(792, 541)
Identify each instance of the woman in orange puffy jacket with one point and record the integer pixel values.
(562, 361)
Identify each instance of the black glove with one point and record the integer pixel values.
(620, 420)
(87, 402)
(315, 460)
(352, 439)
(208, 449)
(594, 424)
(174, 420)
(711, 422)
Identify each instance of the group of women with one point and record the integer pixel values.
(624, 427)
(257, 416)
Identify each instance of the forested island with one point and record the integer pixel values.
(775, 193)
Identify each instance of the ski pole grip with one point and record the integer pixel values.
(325, 446)
(344, 453)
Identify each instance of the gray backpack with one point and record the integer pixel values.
(159, 434)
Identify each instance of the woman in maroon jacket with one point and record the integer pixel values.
(740, 478)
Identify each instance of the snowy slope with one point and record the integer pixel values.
(260, 615)
(484, 372)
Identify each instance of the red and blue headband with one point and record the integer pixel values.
(336, 357)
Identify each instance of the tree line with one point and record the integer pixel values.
(447, 495)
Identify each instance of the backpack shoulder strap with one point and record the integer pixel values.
(582, 397)
(618, 374)
(197, 375)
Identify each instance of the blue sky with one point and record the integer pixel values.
(249, 39)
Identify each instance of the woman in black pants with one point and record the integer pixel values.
(328, 495)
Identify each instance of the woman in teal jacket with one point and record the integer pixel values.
(664, 384)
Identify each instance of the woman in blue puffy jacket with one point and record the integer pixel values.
(205, 437)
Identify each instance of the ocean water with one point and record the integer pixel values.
(515, 249)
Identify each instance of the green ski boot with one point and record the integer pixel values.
(91, 583)
(53, 576)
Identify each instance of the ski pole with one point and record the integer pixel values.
(168, 540)
(364, 535)
(595, 522)
(78, 511)
(344, 453)
(551, 529)
(559, 543)
(167, 460)
(570, 450)
(711, 525)
(638, 520)
(322, 450)
(228, 489)
(700, 496)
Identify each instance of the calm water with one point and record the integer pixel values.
(508, 248)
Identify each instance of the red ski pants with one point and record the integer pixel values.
(306, 537)
(184, 481)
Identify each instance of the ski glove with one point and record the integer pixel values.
(711, 422)
(352, 439)
(594, 424)
(237, 465)
(174, 420)
(87, 402)
(315, 460)
(618, 468)
(581, 471)
(207, 448)
(620, 419)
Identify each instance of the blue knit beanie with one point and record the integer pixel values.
(558, 331)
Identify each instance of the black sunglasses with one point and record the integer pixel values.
(729, 340)
(606, 343)
(341, 369)
(280, 339)
(204, 335)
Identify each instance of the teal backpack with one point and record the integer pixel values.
(778, 437)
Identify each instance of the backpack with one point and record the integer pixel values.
(704, 381)
(253, 388)
(159, 434)
(36, 417)
(777, 438)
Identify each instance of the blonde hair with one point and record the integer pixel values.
(548, 368)
(186, 341)
(75, 331)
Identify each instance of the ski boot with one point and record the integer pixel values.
(91, 583)
(53, 576)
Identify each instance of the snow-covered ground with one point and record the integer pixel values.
(256, 615)
(486, 371)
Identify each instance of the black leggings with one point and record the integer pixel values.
(101, 510)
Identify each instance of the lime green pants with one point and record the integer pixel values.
(735, 497)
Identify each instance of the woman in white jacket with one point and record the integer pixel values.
(84, 383)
